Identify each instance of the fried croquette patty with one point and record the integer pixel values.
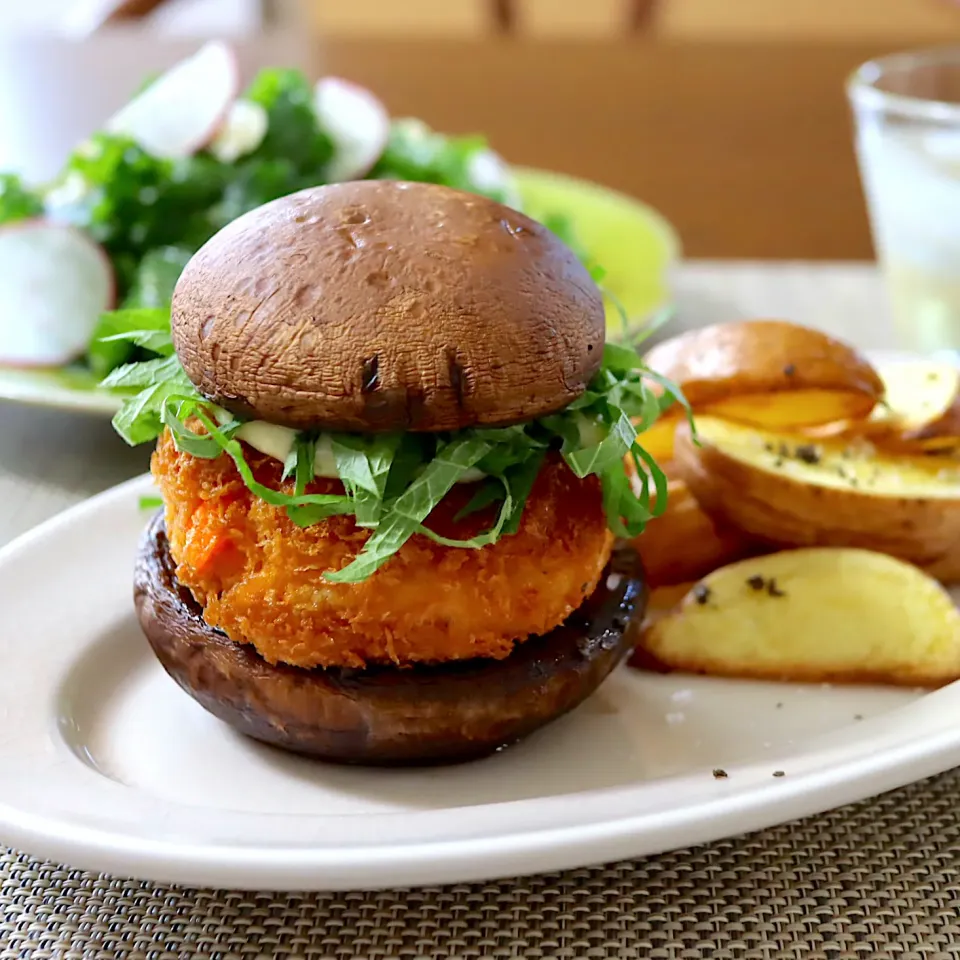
(259, 577)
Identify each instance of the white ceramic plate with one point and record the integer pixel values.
(105, 764)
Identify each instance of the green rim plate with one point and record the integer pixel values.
(70, 388)
(634, 244)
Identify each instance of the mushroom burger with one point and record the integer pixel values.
(394, 454)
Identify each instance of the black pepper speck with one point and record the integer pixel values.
(808, 453)
(701, 593)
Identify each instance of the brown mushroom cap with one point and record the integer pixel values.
(442, 713)
(381, 305)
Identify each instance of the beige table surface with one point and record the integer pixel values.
(878, 879)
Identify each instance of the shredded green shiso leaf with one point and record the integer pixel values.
(392, 481)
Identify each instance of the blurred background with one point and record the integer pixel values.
(729, 116)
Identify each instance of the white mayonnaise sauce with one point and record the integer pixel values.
(277, 442)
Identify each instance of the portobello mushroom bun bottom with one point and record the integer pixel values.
(396, 459)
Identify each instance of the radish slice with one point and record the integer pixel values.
(490, 172)
(182, 110)
(241, 132)
(56, 283)
(356, 121)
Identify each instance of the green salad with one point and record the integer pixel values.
(186, 156)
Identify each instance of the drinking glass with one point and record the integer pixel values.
(907, 113)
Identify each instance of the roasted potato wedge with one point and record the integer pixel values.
(824, 614)
(769, 373)
(686, 543)
(796, 409)
(921, 409)
(790, 491)
(658, 439)
(660, 601)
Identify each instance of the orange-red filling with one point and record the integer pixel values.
(259, 576)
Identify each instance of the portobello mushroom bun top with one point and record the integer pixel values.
(380, 379)
(388, 306)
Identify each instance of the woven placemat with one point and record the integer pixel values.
(879, 879)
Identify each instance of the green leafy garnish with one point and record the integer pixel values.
(17, 202)
(451, 461)
(364, 464)
(322, 505)
(121, 333)
(305, 450)
(153, 383)
(294, 153)
(492, 535)
(156, 276)
(393, 482)
(132, 202)
(415, 152)
(293, 131)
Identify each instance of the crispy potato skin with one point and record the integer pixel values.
(658, 439)
(922, 415)
(259, 577)
(729, 366)
(786, 512)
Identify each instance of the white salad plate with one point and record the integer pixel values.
(73, 391)
(106, 765)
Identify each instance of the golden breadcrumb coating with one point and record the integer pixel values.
(259, 576)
